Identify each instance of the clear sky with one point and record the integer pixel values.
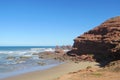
(51, 22)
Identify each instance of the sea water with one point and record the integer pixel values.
(16, 60)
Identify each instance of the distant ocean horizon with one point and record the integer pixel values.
(23, 47)
(16, 60)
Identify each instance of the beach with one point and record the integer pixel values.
(54, 72)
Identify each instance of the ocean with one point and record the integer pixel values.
(15, 60)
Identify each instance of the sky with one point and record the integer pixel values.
(51, 22)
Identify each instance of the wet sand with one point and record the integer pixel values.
(53, 73)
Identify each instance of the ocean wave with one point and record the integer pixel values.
(42, 49)
(21, 56)
(15, 59)
(50, 49)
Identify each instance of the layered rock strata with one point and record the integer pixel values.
(103, 41)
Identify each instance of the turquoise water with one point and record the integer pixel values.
(16, 60)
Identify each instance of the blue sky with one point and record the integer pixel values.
(51, 22)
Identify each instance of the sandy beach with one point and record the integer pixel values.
(53, 73)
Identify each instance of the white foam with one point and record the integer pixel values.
(17, 54)
(50, 49)
(37, 49)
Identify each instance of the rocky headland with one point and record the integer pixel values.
(103, 42)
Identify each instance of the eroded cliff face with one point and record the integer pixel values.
(103, 41)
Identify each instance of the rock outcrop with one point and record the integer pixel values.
(103, 41)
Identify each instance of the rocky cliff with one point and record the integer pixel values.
(103, 41)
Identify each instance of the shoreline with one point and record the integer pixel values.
(25, 71)
(54, 72)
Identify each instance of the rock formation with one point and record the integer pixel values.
(103, 41)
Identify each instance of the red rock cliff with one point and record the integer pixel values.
(103, 41)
